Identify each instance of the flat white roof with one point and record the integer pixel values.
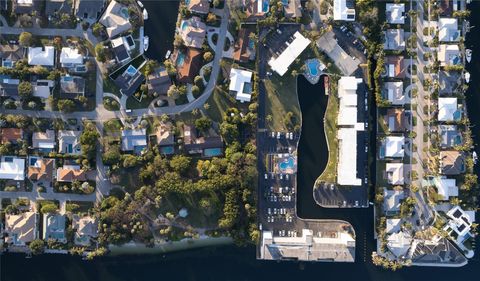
(347, 116)
(395, 174)
(13, 169)
(41, 91)
(448, 30)
(446, 109)
(394, 146)
(70, 56)
(342, 12)
(395, 92)
(293, 50)
(446, 187)
(41, 55)
(347, 157)
(238, 78)
(395, 13)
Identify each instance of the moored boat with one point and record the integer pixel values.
(146, 41)
(467, 77)
(145, 14)
(140, 4)
(167, 55)
(468, 55)
(326, 84)
(475, 157)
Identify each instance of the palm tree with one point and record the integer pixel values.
(206, 106)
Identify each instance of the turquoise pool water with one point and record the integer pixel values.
(124, 13)
(180, 59)
(287, 164)
(167, 150)
(313, 67)
(457, 115)
(457, 140)
(184, 25)
(211, 152)
(266, 3)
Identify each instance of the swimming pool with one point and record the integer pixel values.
(211, 152)
(288, 163)
(131, 70)
(180, 59)
(124, 13)
(266, 3)
(184, 25)
(167, 150)
(313, 67)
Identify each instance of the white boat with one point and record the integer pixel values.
(146, 41)
(475, 157)
(167, 55)
(467, 77)
(140, 4)
(145, 14)
(468, 55)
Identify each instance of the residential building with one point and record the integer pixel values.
(58, 7)
(255, 9)
(449, 55)
(395, 66)
(25, 6)
(460, 223)
(44, 56)
(70, 173)
(199, 6)
(54, 227)
(122, 46)
(44, 141)
(70, 57)
(134, 140)
(399, 243)
(86, 229)
(343, 10)
(10, 54)
(72, 86)
(394, 40)
(395, 13)
(129, 80)
(21, 229)
(452, 162)
(448, 110)
(396, 120)
(188, 64)
(69, 142)
(11, 135)
(88, 9)
(165, 134)
(293, 9)
(159, 81)
(12, 168)
(394, 92)
(244, 47)
(293, 48)
(395, 173)
(41, 169)
(394, 146)
(448, 30)
(193, 32)
(393, 225)
(450, 136)
(392, 200)
(241, 84)
(449, 82)
(446, 187)
(8, 86)
(208, 146)
(42, 88)
(115, 19)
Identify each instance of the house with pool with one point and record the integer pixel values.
(193, 31)
(115, 19)
(207, 144)
(256, 9)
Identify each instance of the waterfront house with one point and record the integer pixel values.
(396, 119)
(115, 19)
(448, 30)
(12, 168)
(448, 110)
(188, 64)
(41, 169)
(392, 200)
(452, 162)
(159, 81)
(449, 82)
(395, 13)
(343, 10)
(394, 40)
(199, 6)
(395, 173)
(460, 223)
(394, 146)
(208, 146)
(20, 229)
(193, 32)
(11, 135)
(244, 47)
(449, 136)
(122, 47)
(69, 142)
(8, 86)
(449, 55)
(255, 9)
(86, 229)
(58, 7)
(70, 173)
(394, 93)
(393, 225)
(293, 9)
(134, 140)
(241, 84)
(70, 57)
(129, 80)
(88, 9)
(292, 48)
(395, 66)
(72, 86)
(54, 227)
(446, 7)
(399, 243)
(25, 6)
(10, 54)
(44, 141)
(446, 187)
(42, 88)
(44, 56)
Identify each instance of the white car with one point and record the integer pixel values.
(269, 211)
(266, 176)
(279, 135)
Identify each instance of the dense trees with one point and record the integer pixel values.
(66, 106)
(25, 39)
(203, 123)
(37, 246)
(25, 90)
(88, 141)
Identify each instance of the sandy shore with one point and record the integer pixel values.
(185, 244)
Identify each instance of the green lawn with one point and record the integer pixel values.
(112, 126)
(110, 104)
(110, 87)
(133, 103)
(281, 98)
(218, 103)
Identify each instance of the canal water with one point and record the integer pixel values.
(230, 263)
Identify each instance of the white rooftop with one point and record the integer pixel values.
(342, 12)
(446, 187)
(446, 109)
(395, 92)
(395, 13)
(293, 50)
(238, 78)
(394, 146)
(70, 56)
(395, 174)
(393, 225)
(41, 55)
(399, 243)
(448, 54)
(347, 158)
(12, 168)
(448, 30)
